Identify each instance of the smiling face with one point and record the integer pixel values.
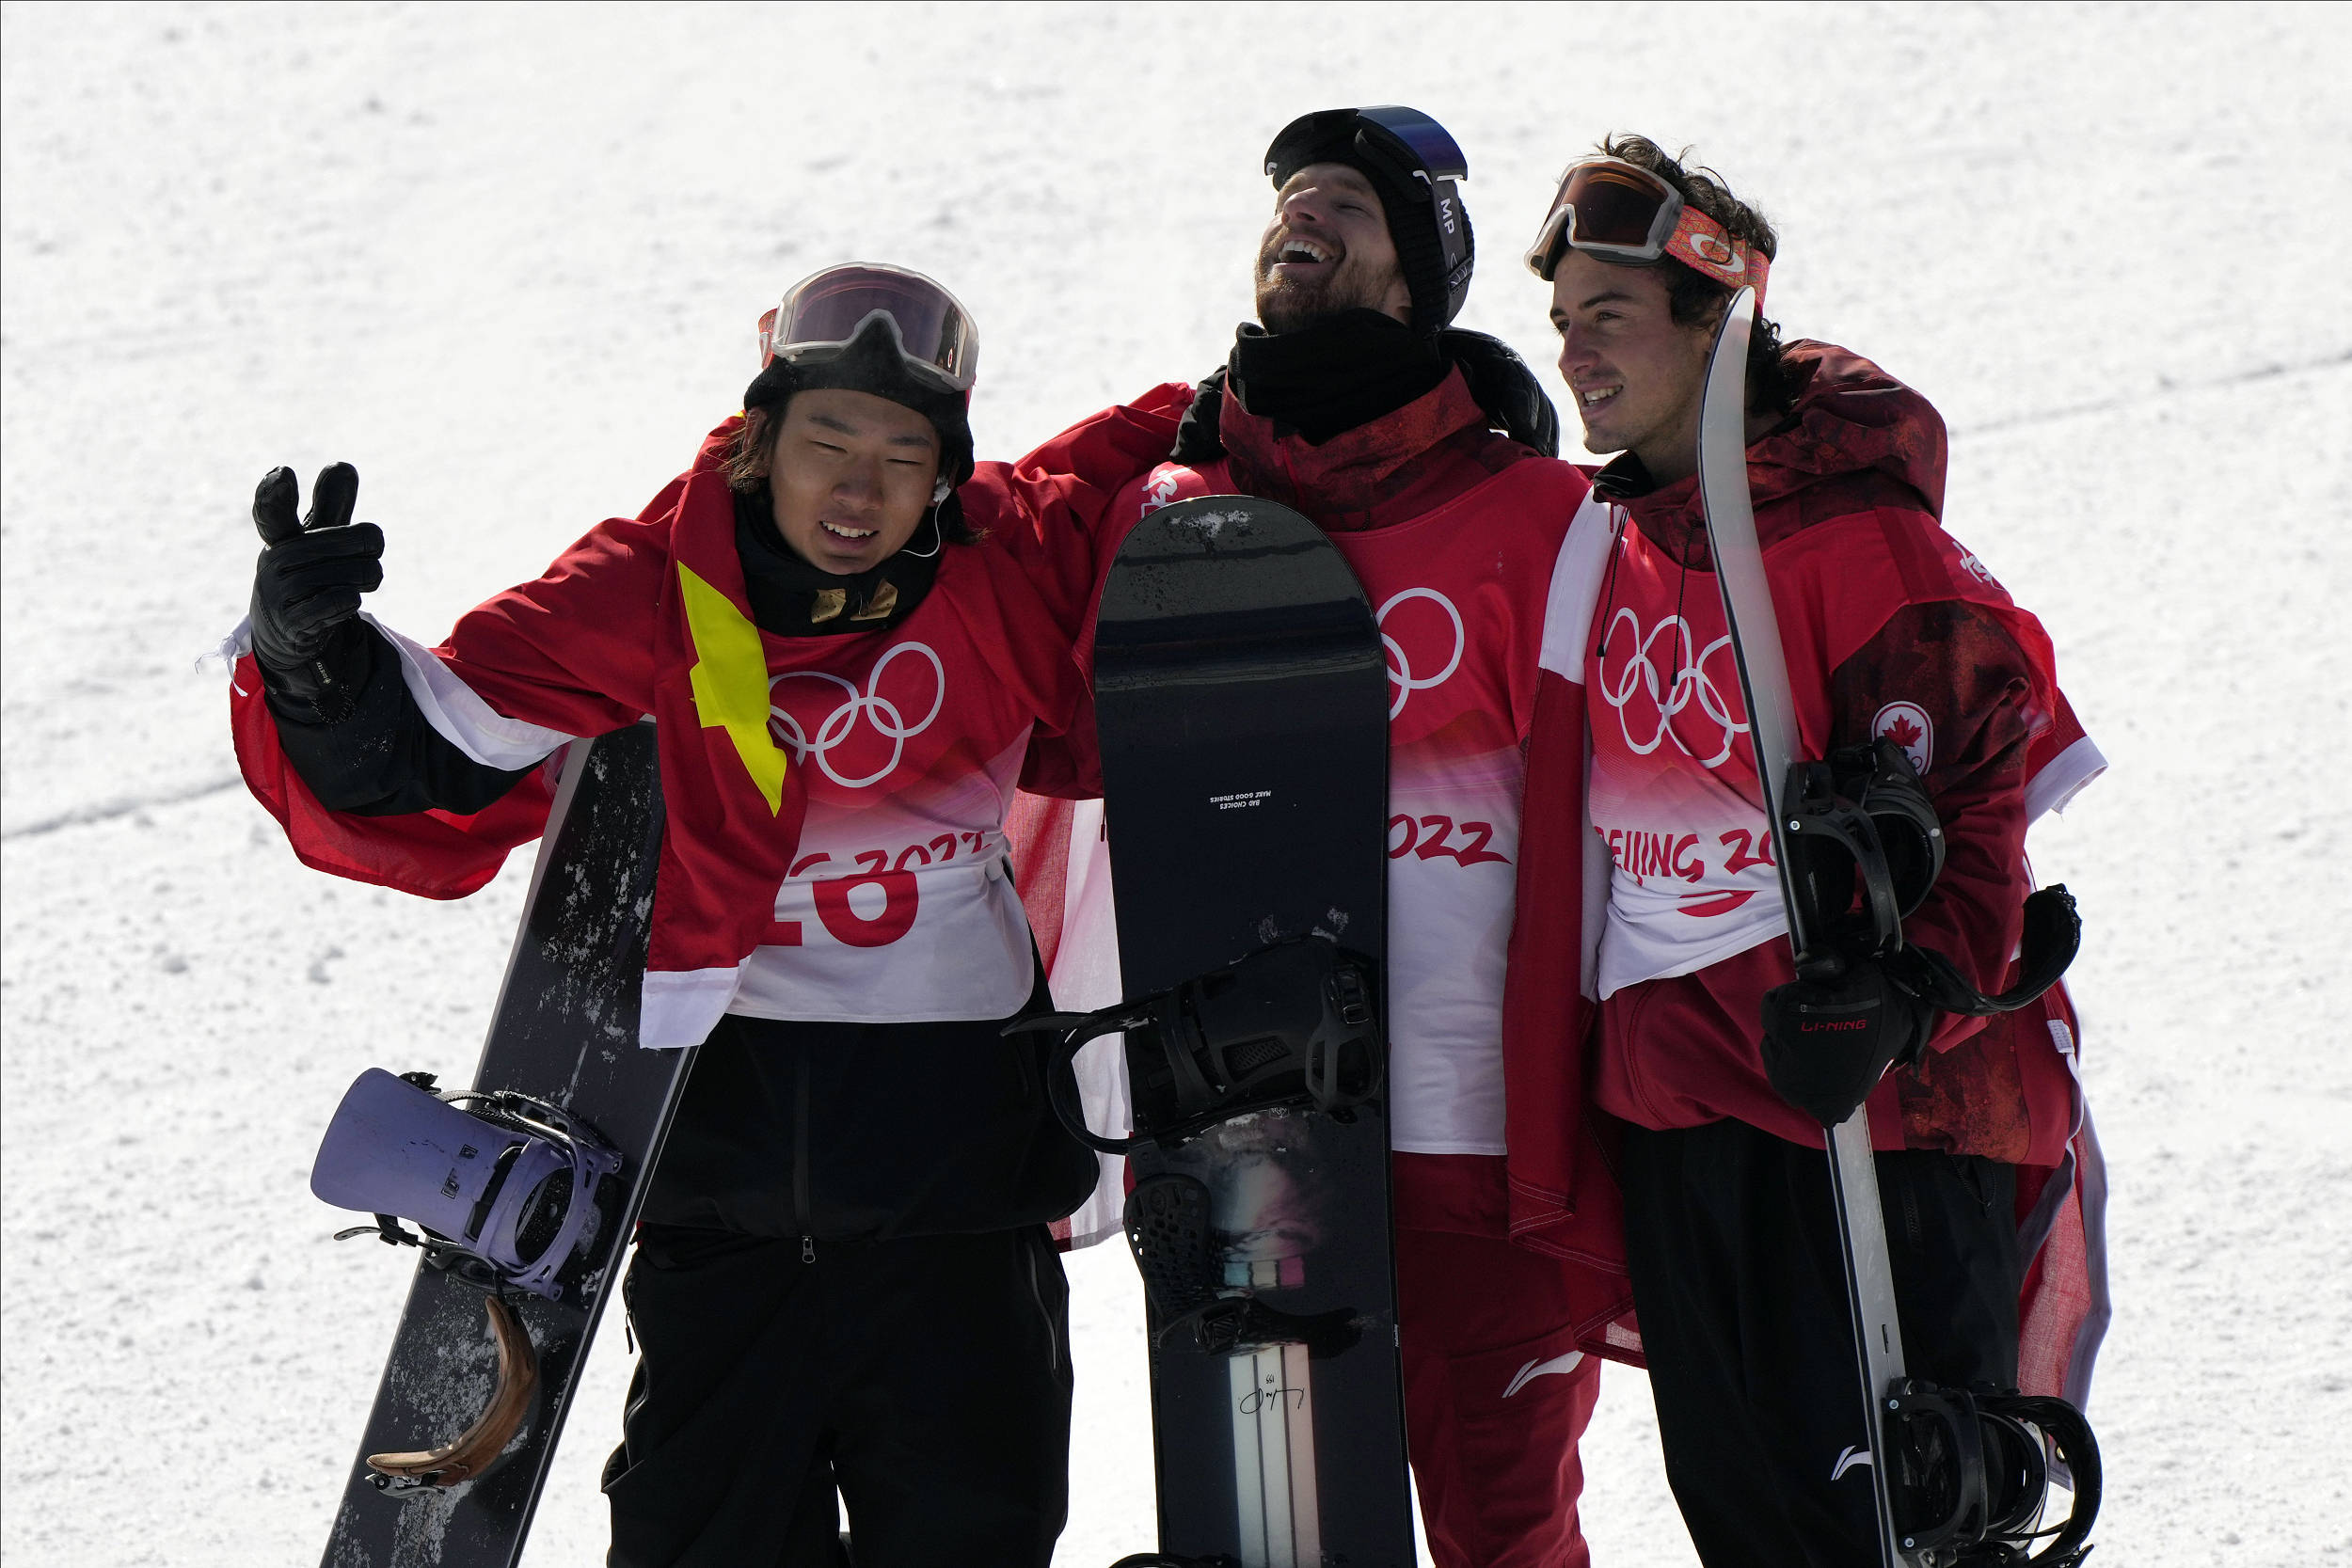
(851, 476)
(1327, 250)
(1637, 375)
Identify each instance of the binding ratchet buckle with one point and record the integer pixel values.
(1297, 1024)
(1972, 1474)
(1865, 848)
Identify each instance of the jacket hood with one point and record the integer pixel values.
(1858, 438)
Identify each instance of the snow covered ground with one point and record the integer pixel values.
(507, 260)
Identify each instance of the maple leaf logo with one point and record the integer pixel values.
(1908, 726)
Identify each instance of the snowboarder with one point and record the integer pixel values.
(1893, 631)
(848, 640)
(1426, 454)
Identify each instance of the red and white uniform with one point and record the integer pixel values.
(1460, 627)
(833, 806)
(1890, 628)
(897, 906)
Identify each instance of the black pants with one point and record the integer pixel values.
(1739, 1285)
(927, 1379)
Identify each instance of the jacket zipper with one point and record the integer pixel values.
(1037, 1294)
(800, 1158)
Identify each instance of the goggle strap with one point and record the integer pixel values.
(1704, 245)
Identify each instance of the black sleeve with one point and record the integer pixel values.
(385, 758)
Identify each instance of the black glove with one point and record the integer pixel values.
(1826, 1043)
(1503, 387)
(314, 654)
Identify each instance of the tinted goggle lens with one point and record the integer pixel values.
(1429, 146)
(828, 310)
(1615, 206)
(1609, 207)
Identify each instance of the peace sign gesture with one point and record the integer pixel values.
(306, 590)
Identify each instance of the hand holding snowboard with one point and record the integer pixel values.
(306, 592)
(1827, 1043)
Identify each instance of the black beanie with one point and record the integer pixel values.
(872, 363)
(1332, 137)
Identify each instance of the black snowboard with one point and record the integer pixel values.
(1242, 705)
(565, 1031)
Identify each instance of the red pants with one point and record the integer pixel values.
(1496, 1397)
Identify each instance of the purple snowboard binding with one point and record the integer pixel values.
(503, 1188)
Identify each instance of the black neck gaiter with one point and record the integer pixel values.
(1334, 375)
(791, 598)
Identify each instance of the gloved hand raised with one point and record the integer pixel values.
(1827, 1043)
(314, 653)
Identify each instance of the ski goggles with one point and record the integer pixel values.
(1620, 213)
(1407, 143)
(823, 314)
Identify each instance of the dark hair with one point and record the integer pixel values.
(749, 449)
(1696, 298)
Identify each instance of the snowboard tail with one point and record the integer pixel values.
(565, 1032)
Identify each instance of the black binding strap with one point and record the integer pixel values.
(2054, 933)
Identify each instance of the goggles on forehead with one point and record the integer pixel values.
(1620, 213)
(824, 313)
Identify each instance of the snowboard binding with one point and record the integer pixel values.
(1293, 1024)
(1860, 825)
(503, 1189)
(1865, 849)
(1972, 1472)
(504, 1193)
(1167, 1220)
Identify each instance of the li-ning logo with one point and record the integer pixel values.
(1534, 1369)
(1847, 1461)
(1643, 693)
(839, 730)
(1402, 671)
(1815, 1025)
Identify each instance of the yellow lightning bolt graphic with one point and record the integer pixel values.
(730, 683)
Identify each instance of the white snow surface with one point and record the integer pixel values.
(506, 259)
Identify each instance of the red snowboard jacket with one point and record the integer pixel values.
(649, 616)
(1433, 508)
(1891, 627)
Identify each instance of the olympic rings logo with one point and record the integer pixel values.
(1400, 665)
(889, 721)
(1667, 696)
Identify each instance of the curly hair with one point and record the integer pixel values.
(1773, 383)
